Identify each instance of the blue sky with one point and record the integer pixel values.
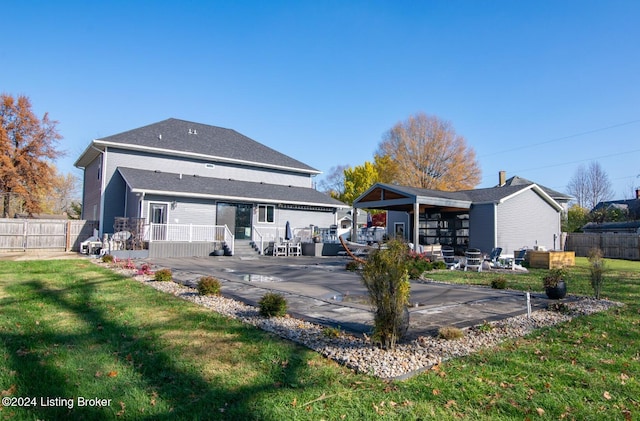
(536, 88)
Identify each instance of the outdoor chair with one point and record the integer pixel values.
(493, 257)
(519, 256)
(280, 249)
(449, 258)
(294, 248)
(474, 259)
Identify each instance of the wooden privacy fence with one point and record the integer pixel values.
(615, 246)
(44, 234)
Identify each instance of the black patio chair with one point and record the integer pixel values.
(474, 259)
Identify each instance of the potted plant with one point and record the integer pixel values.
(554, 283)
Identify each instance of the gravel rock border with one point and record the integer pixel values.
(359, 354)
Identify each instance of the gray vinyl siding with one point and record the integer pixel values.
(133, 205)
(303, 219)
(115, 193)
(526, 220)
(179, 165)
(91, 191)
(394, 217)
(186, 211)
(482, 227)
(201, 212)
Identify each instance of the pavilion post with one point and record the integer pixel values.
(416, 226)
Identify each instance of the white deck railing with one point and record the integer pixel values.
(190, 233)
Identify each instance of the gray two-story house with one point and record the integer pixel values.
(184, 174)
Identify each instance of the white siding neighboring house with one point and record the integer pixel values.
(181, 172)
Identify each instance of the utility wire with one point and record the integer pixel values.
(577, 161)
(531, 145)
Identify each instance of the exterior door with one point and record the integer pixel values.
(237, 217)
(158, 217)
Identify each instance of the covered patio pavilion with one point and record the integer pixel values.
(434, 216)
(511, 217)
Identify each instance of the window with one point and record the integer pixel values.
(265, 213)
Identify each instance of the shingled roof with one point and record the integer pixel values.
(519, 181)
(180, 137)
(183, 185)
(461, 199)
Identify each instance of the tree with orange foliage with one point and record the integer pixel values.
(27, 149)
(428, 153)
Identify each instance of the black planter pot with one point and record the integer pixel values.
(558, 292)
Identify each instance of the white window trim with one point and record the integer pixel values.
(265, 206)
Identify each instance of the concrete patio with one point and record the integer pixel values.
(320, 290)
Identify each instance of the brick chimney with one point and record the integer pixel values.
(502, 178)
(637, 193)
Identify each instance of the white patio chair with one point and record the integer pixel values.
(280, 249)
(294, 249)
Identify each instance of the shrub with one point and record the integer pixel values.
(273, 305)
(551, 279)
(597, 268)
(386, 276)
(439, 264)
(208, 285)
(352, 266)
(450, 333)
(107, 258)
(331, 332)
(499, 283)
(418, 264)
(485, 327)
(163, 275)
(559, 308)
(145, 269)
(129, 265)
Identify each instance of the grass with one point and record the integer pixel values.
(69, 328)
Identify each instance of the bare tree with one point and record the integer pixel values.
(590, 185)
(27, 149)
(333, 183)
(63, 192)
(428, 153)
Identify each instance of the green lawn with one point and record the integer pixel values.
(71, 329)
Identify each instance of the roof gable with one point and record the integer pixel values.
(519, 181)
(174, 136)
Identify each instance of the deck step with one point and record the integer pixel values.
(244, 248)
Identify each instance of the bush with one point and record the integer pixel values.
(450, 333)
(163, 275)
(439, 264)
(107, 258)
(386, 276)
(499, 283)
(485, 327)
(559, 308)
(208, 285)
(145, 269)
(352, 266)
(418, 264)
(596, 270)
(332, 332)
(273, 305)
